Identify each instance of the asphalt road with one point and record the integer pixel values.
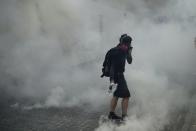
(47, 119)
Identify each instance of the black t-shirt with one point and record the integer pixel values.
(118, 60)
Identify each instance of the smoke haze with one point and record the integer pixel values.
(52, 52)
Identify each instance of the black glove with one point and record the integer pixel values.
(130, 50)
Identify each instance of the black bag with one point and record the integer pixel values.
(106, 65)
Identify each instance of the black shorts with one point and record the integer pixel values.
(122, 90)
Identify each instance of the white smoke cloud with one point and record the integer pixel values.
(52, 51)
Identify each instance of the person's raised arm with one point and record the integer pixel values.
(129, 56)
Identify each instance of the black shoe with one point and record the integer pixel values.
(124, 117)
(112, 115)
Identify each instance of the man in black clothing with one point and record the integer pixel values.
(118, 57)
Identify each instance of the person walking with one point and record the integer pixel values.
(114, 67)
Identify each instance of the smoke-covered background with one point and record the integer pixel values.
(51, 55)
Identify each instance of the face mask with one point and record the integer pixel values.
(124, 47)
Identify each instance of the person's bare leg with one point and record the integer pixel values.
(113, 104)
(124, 104)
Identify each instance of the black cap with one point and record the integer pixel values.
(125, 39)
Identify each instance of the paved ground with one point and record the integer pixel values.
(14, 117)
(183, 120)
(51, 119)
(73, 119)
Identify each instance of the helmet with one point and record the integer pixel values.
(125, 39)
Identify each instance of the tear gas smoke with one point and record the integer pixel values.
(52, 52)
